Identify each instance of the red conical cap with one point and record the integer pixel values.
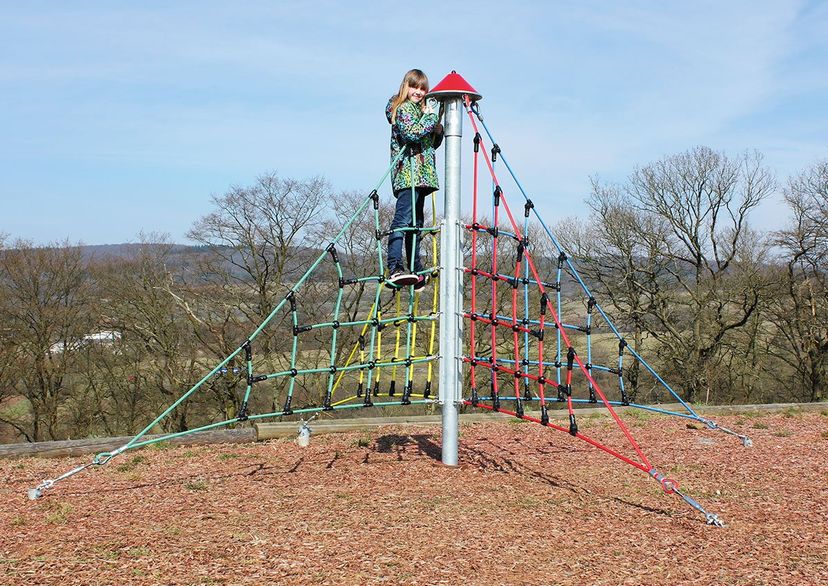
(454, 85)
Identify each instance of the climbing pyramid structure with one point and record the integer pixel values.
(536, 343)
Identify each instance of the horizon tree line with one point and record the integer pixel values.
(726, 313)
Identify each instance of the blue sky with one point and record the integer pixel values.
(122, 117)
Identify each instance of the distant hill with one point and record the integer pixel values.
(115, 251)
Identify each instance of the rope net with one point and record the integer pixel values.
(535, 328)
(538, 343)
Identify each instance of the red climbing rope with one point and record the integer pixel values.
(517, 327)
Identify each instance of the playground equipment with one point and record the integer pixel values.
(518, 346)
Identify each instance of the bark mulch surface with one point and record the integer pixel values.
(526, 505)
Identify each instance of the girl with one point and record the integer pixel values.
(414, 121)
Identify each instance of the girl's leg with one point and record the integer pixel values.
(402, 219)
(412, 240)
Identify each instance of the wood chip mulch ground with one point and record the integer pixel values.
(526, 505)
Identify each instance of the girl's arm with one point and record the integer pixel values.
(412, 123)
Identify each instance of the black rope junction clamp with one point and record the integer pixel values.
(495, 400)
(477, 142)
(573, 427)
(495, 151)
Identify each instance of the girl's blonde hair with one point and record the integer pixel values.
(414, 78)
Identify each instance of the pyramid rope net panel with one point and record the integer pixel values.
(513, 342)
(525, 276)
(354, 358)
(395, 336)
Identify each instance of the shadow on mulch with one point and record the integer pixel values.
(485, 460)
(394, 442)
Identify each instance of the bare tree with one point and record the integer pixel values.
(260, 243)
(677, 233)
(158, 357)
(46, 311)
(254, 235)
(799, 308)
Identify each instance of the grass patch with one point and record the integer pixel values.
(227, 456)
(197, 484)
(107, 551)
(528, 502)
(129, 465)
(792, 412)
(754, 414)
(637, 417)
(16, 411)
(138, 552)
(187, 454)
(362, 442)
(824, 435)
(57, 513)
(760, 425)
(783, 433)
(18, 521)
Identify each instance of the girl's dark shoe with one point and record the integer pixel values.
(421, 282)
(400, 278)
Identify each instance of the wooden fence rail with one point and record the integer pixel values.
(266, 431)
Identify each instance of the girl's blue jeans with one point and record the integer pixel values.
(403, 219)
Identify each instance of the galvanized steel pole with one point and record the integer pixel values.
(451, 284)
